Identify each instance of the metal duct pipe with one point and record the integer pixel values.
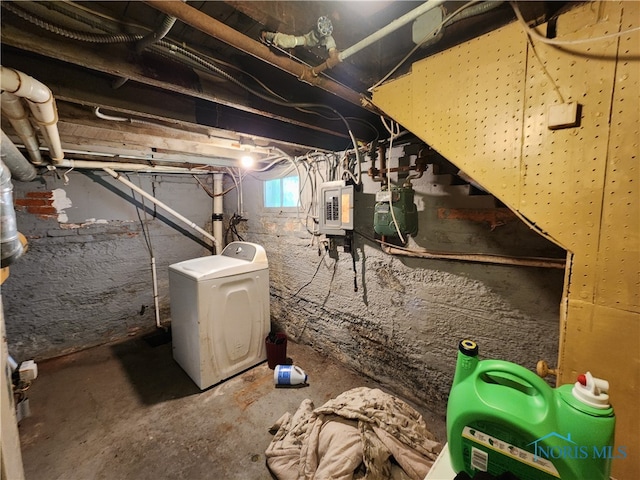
(157, 202)
(11, 247)
(41, 103)
(206, 24)
(18, 165)
(13, 110)
(392, 27)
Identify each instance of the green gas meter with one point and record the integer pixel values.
(395, 210)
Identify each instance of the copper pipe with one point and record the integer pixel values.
(380, 175)
(382, 153)
(330, 62)
(406, 168)
(210, 26)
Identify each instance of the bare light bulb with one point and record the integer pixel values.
(246, 161)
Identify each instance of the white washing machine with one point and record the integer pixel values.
(220, 312)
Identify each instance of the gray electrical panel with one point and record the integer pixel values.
(336, 208)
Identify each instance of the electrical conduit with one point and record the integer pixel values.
(156, 35)
(41, 103)
(165, 207)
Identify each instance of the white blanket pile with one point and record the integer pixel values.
(362, 433)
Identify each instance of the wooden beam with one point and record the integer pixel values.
(146, 71)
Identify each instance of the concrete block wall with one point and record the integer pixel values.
(404, 322)
(86, 277)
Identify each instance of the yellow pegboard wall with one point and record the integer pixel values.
(565, 168)
(617, 284)
(483, 105)
(485, 113)
(603, 341)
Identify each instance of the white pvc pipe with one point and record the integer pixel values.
(129, 167)
(240, 194)
(12, 363)
(218, 209)
(393, 26)
(41, 103)
(156, 304)
(157, 202)
(13, 109)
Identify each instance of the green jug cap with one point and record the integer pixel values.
(469, 348)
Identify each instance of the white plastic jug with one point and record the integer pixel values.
(289, 375)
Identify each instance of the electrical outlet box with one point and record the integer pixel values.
(28, 371)
(336, 208)
(427, 28)
(564, 115)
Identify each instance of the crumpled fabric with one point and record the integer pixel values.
(363, 433)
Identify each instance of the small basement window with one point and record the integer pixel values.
(281, 192)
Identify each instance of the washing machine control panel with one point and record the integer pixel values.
(242, 251)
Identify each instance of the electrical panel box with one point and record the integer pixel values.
(336, 208)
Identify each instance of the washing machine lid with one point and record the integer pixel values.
(251, 252)
(224, 265)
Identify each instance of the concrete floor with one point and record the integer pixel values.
(128, 411)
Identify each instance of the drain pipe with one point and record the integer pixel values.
(218, 209)
(41, 103)
(19, 166)
(11, 247)
(13, 110)
(216, 29)
(157, 202)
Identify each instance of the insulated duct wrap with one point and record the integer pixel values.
(11, 247)
(19, 166)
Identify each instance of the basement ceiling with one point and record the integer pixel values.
(192, 96)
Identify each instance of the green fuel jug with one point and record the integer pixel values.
(502, 417)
